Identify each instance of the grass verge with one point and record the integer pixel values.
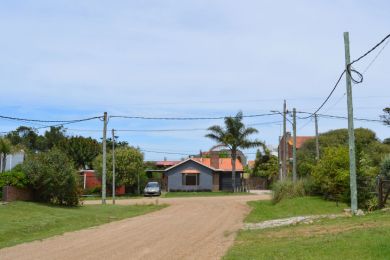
(121, 197)
(300, 206)
(343, 238)
(28, 221)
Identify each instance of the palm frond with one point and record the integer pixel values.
(215, 137)
(216, 129)
(251, 144)
(248, 131)
(235, 134)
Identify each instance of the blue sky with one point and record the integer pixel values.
(75, 59)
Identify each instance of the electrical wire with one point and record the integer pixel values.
(33, 121)
(371, 50)
(48, 121)
(266, 123)
(336, 103)
(374, 59)
(166, 130)
(339, 117)
(188, 118)
(162, 152)
(161, 130)
(349, 71)
(306, 124)
(328, 97)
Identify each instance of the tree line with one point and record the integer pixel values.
(329, 177)
(53, 161)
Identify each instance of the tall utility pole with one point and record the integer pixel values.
(104, 159)
(294, 145)
(317, 139)
(283, 146)
(351, 134)
(285, 152)
(113, 166)
(279, 159)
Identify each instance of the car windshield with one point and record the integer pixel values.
(152, 185)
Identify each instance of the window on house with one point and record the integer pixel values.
(190, 179)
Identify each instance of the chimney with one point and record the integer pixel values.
(214, 160)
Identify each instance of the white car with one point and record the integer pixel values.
(152, 189)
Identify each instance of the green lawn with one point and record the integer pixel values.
(26, 221)
(265, 210)
(201, 194)
(109, 198)
(342, 238)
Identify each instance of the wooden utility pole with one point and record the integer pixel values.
(113, 166)
(104, 159)
(351, 133)
(294, 145)
(317, 138)
(279, 160)
(285, 152)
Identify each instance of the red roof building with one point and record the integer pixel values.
(290, 142)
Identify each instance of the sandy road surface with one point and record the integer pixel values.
(190, 228)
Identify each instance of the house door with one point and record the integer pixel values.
(225, 181)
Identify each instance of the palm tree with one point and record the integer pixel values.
(5, 149)
(234, 136)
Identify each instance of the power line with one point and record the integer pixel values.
(337, 102)
(371, 50)
(48, 121)
(188, 118)
(349, 70)
(374, 59)
(161, 152)
(266, 123)
(328, 97)
(33, 121)
(339, 117)
(306, 124)
(162, 130)
(166, 130)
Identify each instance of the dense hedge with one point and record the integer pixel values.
(16, 177)
(330, 175)
(53, 177)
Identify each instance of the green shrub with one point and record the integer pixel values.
(53, 177)
(129, 167)
(16, 178)
(309, 186)
(94, 190)
(372, 204)
(385, 166)
(287, 189)
(331, 174)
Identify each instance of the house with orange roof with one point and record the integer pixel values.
(202, 174)
(290, 142)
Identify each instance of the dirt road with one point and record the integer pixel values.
(190, 228)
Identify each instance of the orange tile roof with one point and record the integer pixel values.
(166, 163)
(300, 140)
(225, 164)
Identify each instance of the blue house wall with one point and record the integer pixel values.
(175, 177)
